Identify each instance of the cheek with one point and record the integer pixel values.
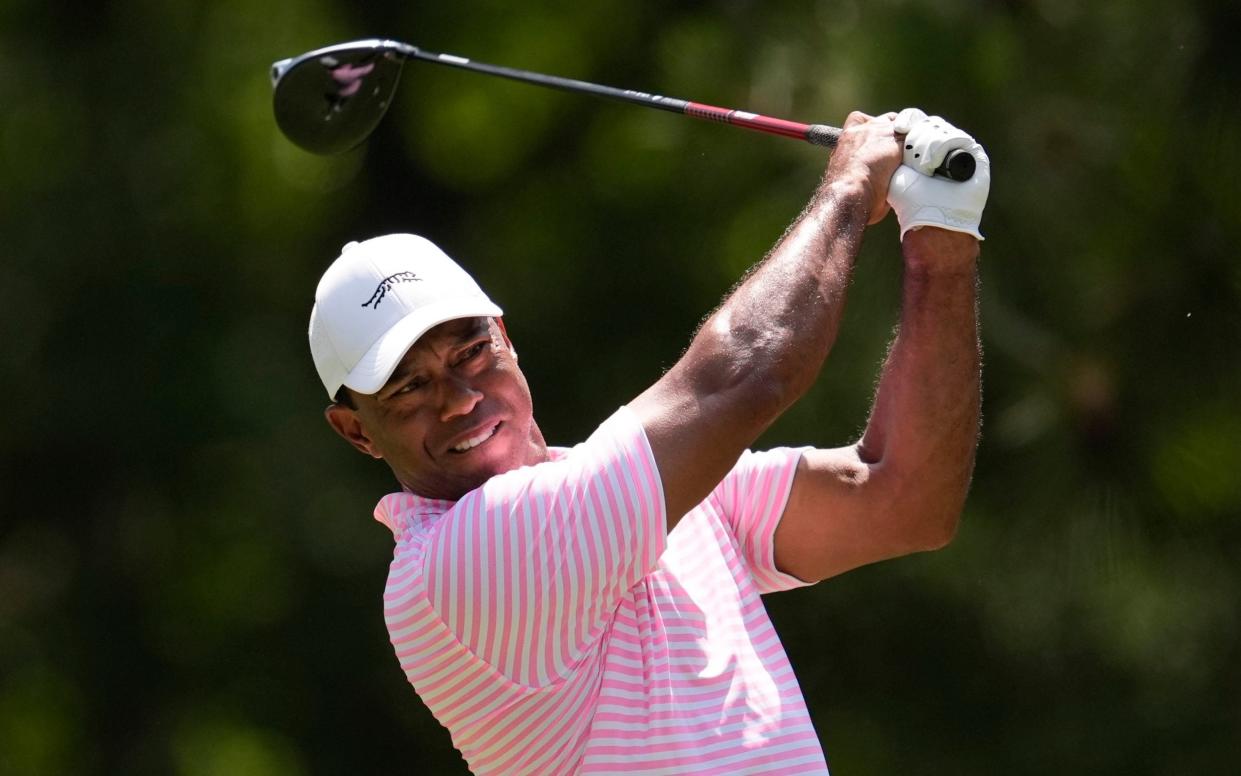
(401, 432)
(511, 383)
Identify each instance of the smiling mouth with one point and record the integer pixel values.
(475, 440)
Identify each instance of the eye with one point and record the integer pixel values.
(473, 351)
(411, 386)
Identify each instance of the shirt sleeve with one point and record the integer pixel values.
(751, 499)
(526, 570)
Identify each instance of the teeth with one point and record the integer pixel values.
(476, 441)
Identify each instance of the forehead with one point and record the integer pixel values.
(456, 329)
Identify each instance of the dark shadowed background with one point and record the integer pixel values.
(190, 577)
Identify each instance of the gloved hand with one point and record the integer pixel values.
(922, 200)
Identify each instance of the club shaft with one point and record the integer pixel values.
(818, 134)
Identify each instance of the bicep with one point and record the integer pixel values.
(697, 433)
(842, 512)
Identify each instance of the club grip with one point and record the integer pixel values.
(823, 135)
(958, 165)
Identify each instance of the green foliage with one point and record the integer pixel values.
(189, 580)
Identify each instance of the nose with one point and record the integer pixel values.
(458, 398)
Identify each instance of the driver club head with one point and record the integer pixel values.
(329, 100)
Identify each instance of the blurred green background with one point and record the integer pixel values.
(190, 577)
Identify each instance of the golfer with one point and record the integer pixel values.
(595, 609)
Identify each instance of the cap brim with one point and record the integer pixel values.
(374, 368)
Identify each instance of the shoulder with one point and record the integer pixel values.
(616, 452)
(404, 513)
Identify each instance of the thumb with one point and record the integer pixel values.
(906, 119)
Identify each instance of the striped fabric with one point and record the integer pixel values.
(550, 622)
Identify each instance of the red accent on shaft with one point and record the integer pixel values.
(748, 120)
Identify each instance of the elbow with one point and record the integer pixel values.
(931, 516)
(928, 494)
(938, 530)
(935, 522)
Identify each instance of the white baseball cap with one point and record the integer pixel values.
(377, 299)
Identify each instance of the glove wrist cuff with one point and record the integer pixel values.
(952, 219)
(971, 231)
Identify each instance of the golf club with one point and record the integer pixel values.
(329, 100)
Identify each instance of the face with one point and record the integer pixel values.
(456, 412)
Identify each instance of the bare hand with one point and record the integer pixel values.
(868, 152)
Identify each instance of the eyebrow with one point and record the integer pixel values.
(479, 327)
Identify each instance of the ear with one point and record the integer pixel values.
(345, 421)
(504, 334)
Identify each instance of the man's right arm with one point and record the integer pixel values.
(764, 346)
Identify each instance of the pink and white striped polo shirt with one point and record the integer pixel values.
(554, 626)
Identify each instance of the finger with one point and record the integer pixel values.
(906, 119)
(855, 118)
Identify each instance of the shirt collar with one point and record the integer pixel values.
(400, 510)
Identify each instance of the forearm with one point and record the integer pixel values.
(778, 325)
(923, 428)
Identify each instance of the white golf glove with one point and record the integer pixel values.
(920, 199)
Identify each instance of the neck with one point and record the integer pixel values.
(537, 447)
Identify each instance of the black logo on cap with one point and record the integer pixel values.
(386, 285)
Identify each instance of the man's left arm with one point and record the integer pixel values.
(902, 487)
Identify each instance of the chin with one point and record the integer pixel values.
(497, 467)
(476, 472)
